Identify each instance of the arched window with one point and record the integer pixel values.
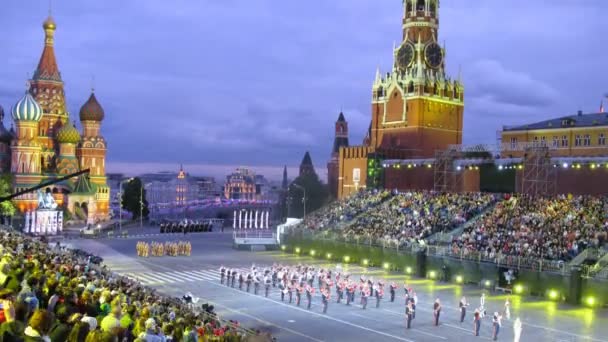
(408, 7)
(410, 88)
(420, 5)
(433, 8)
(435, 89)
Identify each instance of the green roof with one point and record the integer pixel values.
(83, 186)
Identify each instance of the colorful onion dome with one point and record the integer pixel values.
(91, 110)
(68, 134)
(49, 24)
(27, 109)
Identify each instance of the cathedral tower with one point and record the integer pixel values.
(26, 150)
(92, 154)
(340, 140)
(68, 138)
(47, 89)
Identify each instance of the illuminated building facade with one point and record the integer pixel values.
(417, 108)
(46, 145)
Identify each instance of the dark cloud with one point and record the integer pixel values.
(228, 82)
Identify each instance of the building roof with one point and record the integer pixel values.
(306, 160)
(91, 110)
(47, 67)
(27, 109)
(569, 121)
(341, 117)
(68, 134)
(83, 186)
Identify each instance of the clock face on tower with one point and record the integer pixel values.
(433, 55)
(405, 55)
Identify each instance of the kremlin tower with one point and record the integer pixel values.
(340, 140)
(46, 145)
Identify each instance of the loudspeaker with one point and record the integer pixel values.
(576, 286)
(421, 264)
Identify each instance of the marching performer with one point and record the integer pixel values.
(414, 302)
(309, 293)
(365, 293)
(222, 274)
(283, 289)
(275, 276)
(437, 311)
(340, 287)
(392, 288)
(516, 330)
(409, 314)
(508, 308)
(234, 275)
(290, 291)
(298, 294)
(267, 283)
(482, 302)
(256, 284)
(325, 299)
(476, 322)
(248, 280)
(350, 292)
(463, 308)
(228, 276)
(379, 293)
(496, 323)
(241, 280)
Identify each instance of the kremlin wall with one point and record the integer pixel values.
(45, 143)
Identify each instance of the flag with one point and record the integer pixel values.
(602, 106)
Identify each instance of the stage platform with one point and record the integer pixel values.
(255, 239)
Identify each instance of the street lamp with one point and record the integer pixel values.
(303, 198)
(120, 203)
(141, 206)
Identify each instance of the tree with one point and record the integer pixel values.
(7, 208)
(316, 194)
(133, 192)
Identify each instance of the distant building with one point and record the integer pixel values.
(180, 190)
(244, 184)
(241, 185)
(207, 188)
(579, 135)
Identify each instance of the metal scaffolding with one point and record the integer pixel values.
(447, 178)
(539, 176)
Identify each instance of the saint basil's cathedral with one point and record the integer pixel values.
(44, 144)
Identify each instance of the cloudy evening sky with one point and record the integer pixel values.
(214, 84)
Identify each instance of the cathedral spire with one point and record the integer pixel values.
(47, 67)
(285, 184)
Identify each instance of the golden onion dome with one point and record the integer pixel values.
(49, 24)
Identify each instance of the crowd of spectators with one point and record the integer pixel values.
(50, 293)
(554, 228)
(414, 216)
(345, 210)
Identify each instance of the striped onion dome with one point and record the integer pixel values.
(91, 110)
(68, 134)
(27, 109)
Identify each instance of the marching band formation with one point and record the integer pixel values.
(159, 249)
(296, 281)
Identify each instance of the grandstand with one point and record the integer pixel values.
(549, 242)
